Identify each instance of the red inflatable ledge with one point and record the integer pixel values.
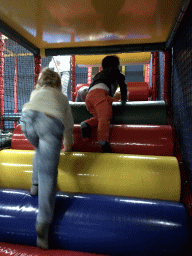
(138, 91)
(126, 139)
(23, 250)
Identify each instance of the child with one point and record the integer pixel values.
(62, 65)
(99, 100)
(45, 119)
(81, 94)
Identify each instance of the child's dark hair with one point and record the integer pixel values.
(111, 61)
(48, 77)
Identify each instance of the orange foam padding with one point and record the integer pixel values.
(138, 91)
(23, 250)
(127, 139)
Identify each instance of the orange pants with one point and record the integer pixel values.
(99, 104)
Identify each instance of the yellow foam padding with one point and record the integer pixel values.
(125, 59)
(155, 177)
(81, 23)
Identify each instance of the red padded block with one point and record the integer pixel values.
(126, 139)
(19, 141)
(131, 139)
(138, 91)
(23, 250)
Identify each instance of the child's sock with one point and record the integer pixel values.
(105, 147)
(34, 190)
(42, 230)
(85, 130)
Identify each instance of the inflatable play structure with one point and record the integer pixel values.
(136, 200)
(106, 203)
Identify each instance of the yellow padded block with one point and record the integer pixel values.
(155, 177)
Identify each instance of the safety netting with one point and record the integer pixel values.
(182, 92)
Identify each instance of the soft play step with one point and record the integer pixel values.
(127, 139)
(24, 250)
(156, 177)
(138, 112)
(98, 224)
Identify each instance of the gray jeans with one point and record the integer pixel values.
(45, 134)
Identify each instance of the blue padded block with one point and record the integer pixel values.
(99, 224)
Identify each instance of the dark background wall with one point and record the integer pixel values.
(182, 90)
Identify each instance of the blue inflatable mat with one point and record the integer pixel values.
(99, 224)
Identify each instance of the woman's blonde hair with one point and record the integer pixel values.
(48, 77)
